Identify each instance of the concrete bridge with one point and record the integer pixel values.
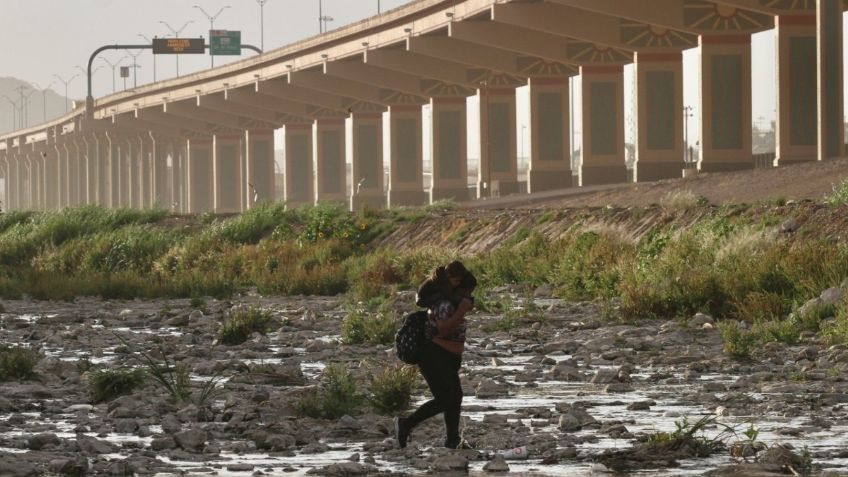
(205, 141)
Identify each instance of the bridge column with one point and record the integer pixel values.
(62, 174)
(180, 184)
(260, 171)
(831, 133)
(367, 161)
(725, 110)
(448, 148)
(12, 186)
(77, 170)
(550, 144)
(406, 156)
(299, 176)
(159, 189)
(659, 108)
(87, 159)
(602, 146)
(40, 193)
(228, 190)
(121, 150)
(4, 176)
(104, 170)
(498, 142)
(199, 176)
(796, 132)
(137, 171)
(29, 187)
(330, 168)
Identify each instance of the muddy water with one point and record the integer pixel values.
(516, 385)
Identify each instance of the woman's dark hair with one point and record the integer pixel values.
(456, 269)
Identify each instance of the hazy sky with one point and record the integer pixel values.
(41, 38)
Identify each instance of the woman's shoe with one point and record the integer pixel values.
(401, 432)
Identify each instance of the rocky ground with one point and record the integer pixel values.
(581, 394)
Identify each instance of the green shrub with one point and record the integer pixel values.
(337, 395)
(251, 226)
(589, 266)
(839, 195)
(390, 391)
(242, 323)
(835, 331)
(107, 384)
(373, 275)
(17, 362)
(761, 306)
(370, 324)
(681, 201)
(739, 343)
(782, 331)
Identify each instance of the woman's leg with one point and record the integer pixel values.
(453, 403)
(437, 374)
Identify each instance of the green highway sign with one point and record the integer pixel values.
(224, 42)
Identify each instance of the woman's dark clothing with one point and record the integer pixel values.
(440, 369)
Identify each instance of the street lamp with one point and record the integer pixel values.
(14, 108)
(148, 40)
(176, 34)
(212, 25)
(66, 83)
(322, 19)
(378, 7)
(262, 22)
(44, 99)
(113, 66)
(85, 73)
(135, 66)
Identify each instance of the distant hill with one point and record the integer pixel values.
(35, 107)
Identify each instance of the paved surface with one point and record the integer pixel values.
(814, 180)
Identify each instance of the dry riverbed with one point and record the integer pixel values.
(579, 392)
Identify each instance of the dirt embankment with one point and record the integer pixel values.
(812, 180)
(477, 231)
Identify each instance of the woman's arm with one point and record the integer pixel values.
(449, 325)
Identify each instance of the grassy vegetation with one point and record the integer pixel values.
(17, 363)
(242, 323)
(107, 384)
(336, 397)
(390, 390)
(731, 263)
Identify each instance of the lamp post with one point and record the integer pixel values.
(135, 66)
(487, 174)
(379, 10)
(85, 73)
(113, 66)
(14, 109)
(148, 40)
(211, 19)
(322, 19)
(44, 99)
(262, 22)
(176, 34)
(66, 82)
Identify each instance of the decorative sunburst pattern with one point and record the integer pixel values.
(363, 107)
(389, 96)
(642, 35)
(323, 113)
(479, 75)
(587, 53)
(707, 16)
(531, 66)
(789, 4)
(436, 89)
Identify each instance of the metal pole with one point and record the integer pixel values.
(262, 22)
(320, 16)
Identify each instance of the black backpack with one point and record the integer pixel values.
(411, 337)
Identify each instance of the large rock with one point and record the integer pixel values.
(488, 389)
(450, 463)
(343, 469)
(13, 465)
(575, 419)
(191, 440)
(40, 441)
(832, 296)
(73, 466)
(498, 464)
(94, 446)
(567, 371)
